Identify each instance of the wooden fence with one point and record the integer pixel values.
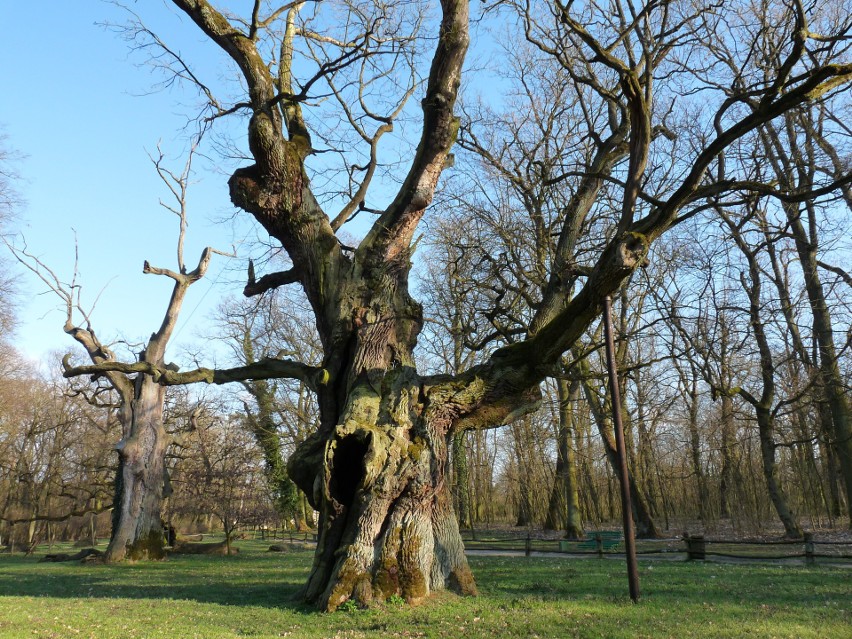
(602, 543)
(691, 547)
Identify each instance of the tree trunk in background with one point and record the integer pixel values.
(646, 528)
(564, 506)
(525, 483)
(836, 394)
(265, 431)
(832, 380)
(728, 441)
(266, 436)
(766, 429)
(645, 452)
(137, 531)
(832, 477)
(695, 454)
(764, 404)
(795, 170)
(807, 432)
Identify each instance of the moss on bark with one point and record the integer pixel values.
(462, 582)
(150, 546)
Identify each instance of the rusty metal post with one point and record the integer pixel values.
(626, 506)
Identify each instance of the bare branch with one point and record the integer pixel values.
(168, 374)
(269, 281)
(845, 276)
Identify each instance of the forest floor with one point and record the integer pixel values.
(255, 594)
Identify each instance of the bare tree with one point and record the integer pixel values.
(53, 459)
(282, 413)
(803, 153)
(795, 161)
(222, 472)
(141, 479)
(764, 404)
(9, 202)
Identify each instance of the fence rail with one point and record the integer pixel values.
(272, 534)
(610, 543)
(690, 547)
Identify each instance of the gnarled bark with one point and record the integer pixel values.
(387, 525)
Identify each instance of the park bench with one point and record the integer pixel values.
(600, 541)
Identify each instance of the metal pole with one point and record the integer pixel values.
(626, 506)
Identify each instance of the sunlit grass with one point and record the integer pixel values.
(256, 595)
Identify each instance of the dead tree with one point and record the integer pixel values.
(141, 481)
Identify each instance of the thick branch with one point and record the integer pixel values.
(236, 44)
(269, 281)
(168, 375)
(57, 518)
(845, 276)
(392, 232)
(157, 345)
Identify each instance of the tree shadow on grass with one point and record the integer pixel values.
(275, 581)
(248, 580)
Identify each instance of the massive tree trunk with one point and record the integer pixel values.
(387, 525)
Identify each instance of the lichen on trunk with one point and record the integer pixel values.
(387, 525)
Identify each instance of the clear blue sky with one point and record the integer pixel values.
(80, 104)
(74, 105)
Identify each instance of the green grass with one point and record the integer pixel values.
(255, 595)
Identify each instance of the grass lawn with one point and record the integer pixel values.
(255, 595)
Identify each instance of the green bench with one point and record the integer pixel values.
(600, 541)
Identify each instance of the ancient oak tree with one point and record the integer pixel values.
(375, 468)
